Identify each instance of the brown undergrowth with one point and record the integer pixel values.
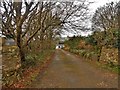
(29, 74)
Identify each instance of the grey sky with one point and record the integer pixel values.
(93, 7)
(98, 3)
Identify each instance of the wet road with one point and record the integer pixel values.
(69, 71)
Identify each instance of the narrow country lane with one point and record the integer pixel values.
(69, 71)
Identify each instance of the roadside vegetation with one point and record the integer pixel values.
(33, 27)
(36, 60)
(102, 45)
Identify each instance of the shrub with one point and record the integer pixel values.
(30, 60)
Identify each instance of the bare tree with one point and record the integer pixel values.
(24, 21)
(105, 17)
(118, 13)
(105, 25)
(12, 21)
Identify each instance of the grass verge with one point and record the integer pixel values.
(109, 67)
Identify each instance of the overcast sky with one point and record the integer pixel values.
(93, 7)
(98, 3)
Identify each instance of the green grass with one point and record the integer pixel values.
(33, 59)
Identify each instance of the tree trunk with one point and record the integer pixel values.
(119, 33)
(22, 56)
(99, 54)
(119, 16)
(19, 44)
